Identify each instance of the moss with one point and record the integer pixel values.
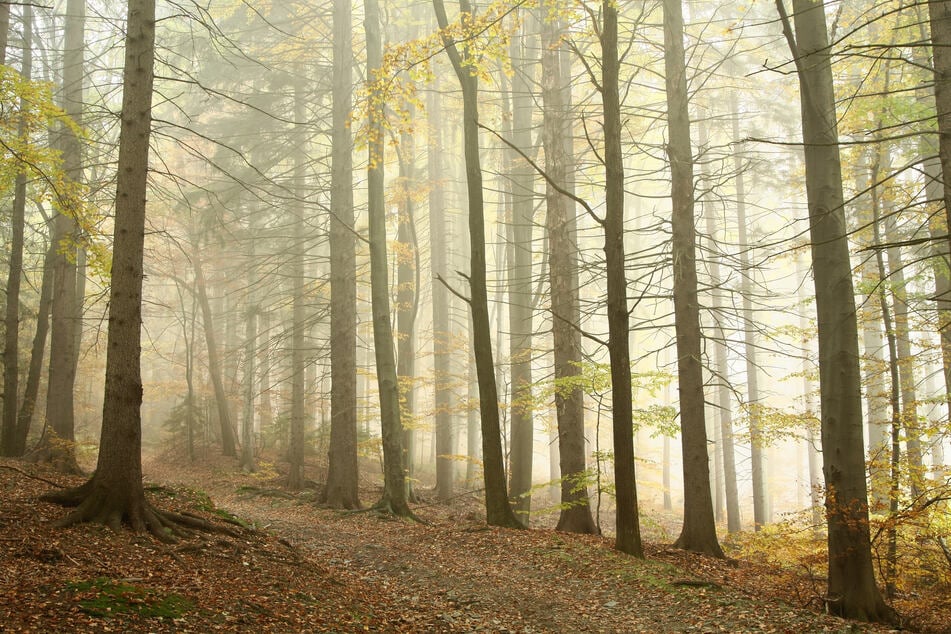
(105, 597)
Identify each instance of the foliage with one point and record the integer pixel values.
(27, 116)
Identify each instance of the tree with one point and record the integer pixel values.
(561, 226)
(628, 538)
(394, 476)
(699, 532)
(498, 510)
(114, 494)
(11, 348)
(521, 307)
(852, 592)
(341, 490)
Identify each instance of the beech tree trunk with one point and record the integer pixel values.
(561, 225)
(852, 592)
(699, 532)
(520, 291)
(442, 328)
(394, 475)
(11, 347)
(628, 529)
(498, 510)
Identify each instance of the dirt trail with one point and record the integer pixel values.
(454, 574)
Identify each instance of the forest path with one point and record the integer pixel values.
(452, 573)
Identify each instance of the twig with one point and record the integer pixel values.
(35, 477)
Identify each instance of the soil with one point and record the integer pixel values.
(300, 568)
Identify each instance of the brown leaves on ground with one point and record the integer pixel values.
(315, 569)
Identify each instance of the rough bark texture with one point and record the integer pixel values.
(561, 225)
(114, 494)
(628, 528)
(394, 476)
(699, 533)
(342, 475)
(498, 510)
(852, 591)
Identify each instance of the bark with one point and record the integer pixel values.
(442, 329)
(341, 490)
(939, 14)
(699, 532)
(11, 348)
(628, 529)
(298, 422)
(115, 494)
(250, 355)
(724, 402)
(394, 476)
(852, 592)
(407, 305)
(520, 277)
(228, 444)
(35, 371)
(561, 225)
(498, 510)
(4, 30)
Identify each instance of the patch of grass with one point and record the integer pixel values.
(105, 597)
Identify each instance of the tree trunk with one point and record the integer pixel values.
(520, 276)
(724, 402)
(228, 445)
(4, 30)
(115, 494)
(34, 374)
(852, 592)
(939, 14)
(628, 529)
(11, 348)
(250, 354)
(561, 226)
(498, 510)
(394, 476)
(343, 473)
(407, 304)
(298, 422)
(442, 328)
(699, 533)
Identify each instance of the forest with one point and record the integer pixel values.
(508, 315)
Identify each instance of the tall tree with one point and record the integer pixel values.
(939, 14)
(520, 276)
(11, 347)
(65, 308)
(298, 422)
(394, 476)
(628, 538)
(342, 475)
(852, 590)
(442, 334)
(115, 493)
(498, 510)
(699, 531)
(561, 226)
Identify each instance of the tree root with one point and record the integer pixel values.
(96, 505)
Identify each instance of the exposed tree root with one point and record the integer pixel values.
(97, 505)
(34, 477)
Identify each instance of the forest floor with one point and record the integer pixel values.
(306, 569)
